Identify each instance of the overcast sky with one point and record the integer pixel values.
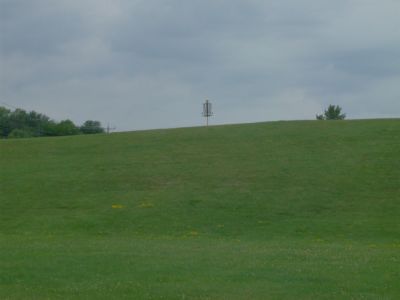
(142, 64)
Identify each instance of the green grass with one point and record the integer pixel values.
(281, 210)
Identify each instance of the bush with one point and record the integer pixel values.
(334, 112)
(20, 133)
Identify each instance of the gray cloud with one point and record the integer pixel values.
(149, 64)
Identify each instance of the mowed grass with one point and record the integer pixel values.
(280, 210)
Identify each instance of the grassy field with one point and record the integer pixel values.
(280, 210)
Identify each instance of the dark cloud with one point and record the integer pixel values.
(148, 64)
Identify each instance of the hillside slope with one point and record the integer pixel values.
(283, 209)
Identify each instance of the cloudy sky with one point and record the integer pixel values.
(142, 64)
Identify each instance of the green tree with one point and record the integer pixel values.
(37, 122)
(49, 128)
(5, 127)
(66, 127)
(91, 127)
(334, 112)
(19, 119)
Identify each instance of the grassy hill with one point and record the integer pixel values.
(281, 210)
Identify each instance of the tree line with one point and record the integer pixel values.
(20, 124)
